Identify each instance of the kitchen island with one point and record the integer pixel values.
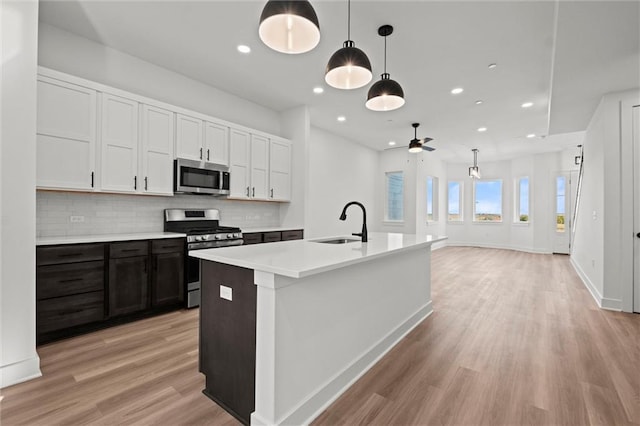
(311, 316)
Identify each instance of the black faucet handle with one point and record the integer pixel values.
(357, 234)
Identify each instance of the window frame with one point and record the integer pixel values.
(460, 201)
(386, 197)
(474, 201)
(516, 200)
(435, 205)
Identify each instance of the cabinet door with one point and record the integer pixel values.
(66, 136)
(157, 151)
(128, 284)
(280, 170)
(189, 137)
(167, 282)
(216, 142)
(259, 167)
(239, 151)
(119, 144)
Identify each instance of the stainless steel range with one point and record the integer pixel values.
(203, 230)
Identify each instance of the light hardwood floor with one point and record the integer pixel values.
(515, 339)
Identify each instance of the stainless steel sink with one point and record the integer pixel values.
(337, 241)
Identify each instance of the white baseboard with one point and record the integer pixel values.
(602, 302)
(495, 246)
(20, 371)
(326, 394)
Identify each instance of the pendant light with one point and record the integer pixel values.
(474, 171)
(289, 26)
(348, 67)
(386, 94)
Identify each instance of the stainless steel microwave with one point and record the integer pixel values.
(200, 177)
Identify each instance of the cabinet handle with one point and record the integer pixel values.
(207, 154)
(247, 191)
(201, 153)
(271, 192)
(69, 312)
(92, 173)
(70, 280)
(129, 250)
(135, 183)
(69, 254)
(253, 191)
(146, 182)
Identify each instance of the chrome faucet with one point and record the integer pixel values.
(362, 234)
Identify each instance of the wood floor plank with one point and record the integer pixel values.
(515, 339)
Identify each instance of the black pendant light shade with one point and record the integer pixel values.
(349, 67)
(289, 26)
(386, 94)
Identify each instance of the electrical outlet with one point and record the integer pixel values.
(226, 293)
(76, 219)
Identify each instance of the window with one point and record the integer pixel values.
(560, 203)
(488, 201)
(454, 208)
(432, 198)
(521, 200)
(395, 203)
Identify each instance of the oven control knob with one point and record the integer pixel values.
(237, 235)
(205, 237)
(218, 236)
(229, 235)
(198, 238)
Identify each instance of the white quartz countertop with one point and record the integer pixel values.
(272, 229)
(301, 258)
(103, 238)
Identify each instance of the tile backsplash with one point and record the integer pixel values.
(97, 214)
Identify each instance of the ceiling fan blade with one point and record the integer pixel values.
(425, 140)
(427, 148)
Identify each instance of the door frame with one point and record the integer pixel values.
(627, 200)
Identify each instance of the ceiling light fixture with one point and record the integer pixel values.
(493, 66)
(418, 145)
(244, 48)
(392, 143)
(348, 67)
(482, 129)
(527, 105)
(474, 171)
(457, 91)
(531, 135)
(289, 26)
(318, 90)
(386, 94)
(342, 118)
(479, 102)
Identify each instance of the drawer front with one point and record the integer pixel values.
(173, 245)
(270, 237)
(292, 235)
(252, 238)
(69, 278)
(52, 255)
(128, 249)
(69, 311)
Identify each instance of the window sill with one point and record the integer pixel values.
(524, 224)
(455, 222)
(393, 222)
(486, 222)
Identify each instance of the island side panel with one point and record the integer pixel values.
(318, 334)
(228, 337)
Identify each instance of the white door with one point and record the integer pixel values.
(189, 137)
(216, 142)
(119, 144)
(66, 136)
(565, 184)
(157, 151)
(280, 170)
(636, 209)
(259, 167)
(239, 157)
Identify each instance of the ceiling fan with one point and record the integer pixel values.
(418, 145)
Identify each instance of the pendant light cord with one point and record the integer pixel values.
(349, 20)
(385, 54)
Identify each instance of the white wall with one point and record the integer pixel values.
(603, 244)
(339, 171)
(18, 358)
(295, 124)
(66, 52)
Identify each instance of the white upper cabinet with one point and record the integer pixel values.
(119, 144)
(239, 164)
(259, 167)
(156, 165)
(216, 143)
(280, 170)
(189, 138)
(66, 136)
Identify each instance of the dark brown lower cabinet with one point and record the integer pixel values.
(167, 279)
(128, 285)
(228, 337)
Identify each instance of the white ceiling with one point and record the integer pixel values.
(562, 56)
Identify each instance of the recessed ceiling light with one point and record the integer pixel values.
(392, 143)
(531, 135)
(242, 48)
(482, 129)
(493, 66)
(457, 91)
(527, 105)
(318, 90)
(479, 102)
(342, 118)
